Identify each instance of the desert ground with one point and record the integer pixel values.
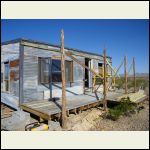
(92, 120)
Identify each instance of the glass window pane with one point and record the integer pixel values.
(56, 65)
(68, 68)
(6, 71)
(44, 70)
(1, 77)
(56, 70)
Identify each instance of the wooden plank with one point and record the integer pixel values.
(53, 48)
(55, 109)
(125, 74)
(134, 75)
(63, 81)
(69, 54)
(36, 102)
(104, 82)
(36, 112)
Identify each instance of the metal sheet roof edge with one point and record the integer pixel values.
(49, 44)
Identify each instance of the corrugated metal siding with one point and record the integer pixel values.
(35, 91)
(10, 48)
(30, 78)
(78, 71)
(6, 51)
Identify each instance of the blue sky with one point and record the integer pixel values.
(120, 37)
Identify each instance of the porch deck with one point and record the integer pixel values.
(48, 109)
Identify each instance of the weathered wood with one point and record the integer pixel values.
(56, 49)
(51, 109)
(104, 82)
(64, 117)
(119, 68)
(50, 77)
(36, 112)
(125, 74)
(69, 54)
(134, 74)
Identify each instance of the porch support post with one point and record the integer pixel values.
(64, 115)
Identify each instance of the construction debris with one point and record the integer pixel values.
(17, 122)
(134, 97)
(10, 100)
(6, 111)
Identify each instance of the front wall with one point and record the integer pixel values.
(32, 90)
(35, 91)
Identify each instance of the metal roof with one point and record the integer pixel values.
(49, 44)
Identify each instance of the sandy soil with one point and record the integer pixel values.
(91, 120)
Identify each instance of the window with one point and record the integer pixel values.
(1, 77)
(6, 71)
(69, 71)
(56, 70)
(44, 70)
(6, 76)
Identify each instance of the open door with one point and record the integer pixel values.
(87, 73)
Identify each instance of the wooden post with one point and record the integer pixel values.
(50, 77)
(64, 115)
(21, 72)
(125, 73)
(104, 82)
(134, 75)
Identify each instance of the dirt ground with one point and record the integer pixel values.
(91, 120)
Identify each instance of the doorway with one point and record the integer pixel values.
(87, 73)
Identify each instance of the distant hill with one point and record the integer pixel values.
(137, 75)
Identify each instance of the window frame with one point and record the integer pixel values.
(40, 70)
(51, 71)
(6, 81)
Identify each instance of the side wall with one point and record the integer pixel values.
(9, 53)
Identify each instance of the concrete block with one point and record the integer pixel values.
(54, 126)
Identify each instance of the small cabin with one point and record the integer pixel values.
(31, 70)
